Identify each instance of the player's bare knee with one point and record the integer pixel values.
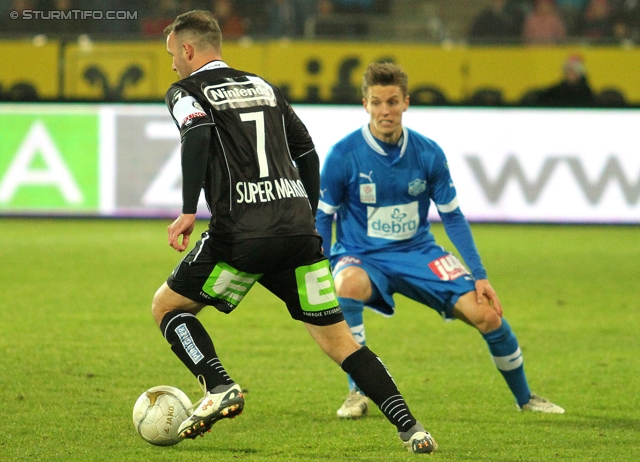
(158, 306)
(342, 350)
(353, 282)
(489, 321)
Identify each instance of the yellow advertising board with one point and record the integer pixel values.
(335, 70)
(129, 70)
(322, 72)
(118, 70)
(31, 63)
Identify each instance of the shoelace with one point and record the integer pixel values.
(353, 397)
(203, 384)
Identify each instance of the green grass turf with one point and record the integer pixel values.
(78, 346)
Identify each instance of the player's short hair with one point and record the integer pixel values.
(385, 74)
(202, 27)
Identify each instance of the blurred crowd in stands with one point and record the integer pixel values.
(483, 22)
(553, 21)
(238, 18)
(491, 21)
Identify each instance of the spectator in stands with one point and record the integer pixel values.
(493, 24)
(230, 22)
(343, 18)
(574, 89)
(323, 26)
(254, 13)
(355, 6)
(282, 18)
(304, 10)
(190, 5)
(572, 12)
(119, 28)
(597, 22)
(70, 26)
(544, 25)
(518, 10)
(160, 17)
(19, 25)
(626, 20)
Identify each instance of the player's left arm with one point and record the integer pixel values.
(303, 152)
(309, 171)
(443, 193)
(457, 228)
(484, 289)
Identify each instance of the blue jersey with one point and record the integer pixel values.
(382, 201)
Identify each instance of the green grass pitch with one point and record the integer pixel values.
(78, 346)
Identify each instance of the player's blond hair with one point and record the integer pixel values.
(385, 74)
(199, 26)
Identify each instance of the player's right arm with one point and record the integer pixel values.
(331, 190)
(182, 226)
(195, 133)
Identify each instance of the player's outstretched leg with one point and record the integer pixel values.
(371, 375)
(192, 344)
(223, 402)
(357, 404)
(507, 357)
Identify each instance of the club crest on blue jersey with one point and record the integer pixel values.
(417, 186)
(368, 193)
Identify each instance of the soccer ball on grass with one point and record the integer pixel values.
(159, 412)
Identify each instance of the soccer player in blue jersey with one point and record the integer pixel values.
(378, 181)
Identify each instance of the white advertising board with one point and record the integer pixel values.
(523, 165)
(508, 165)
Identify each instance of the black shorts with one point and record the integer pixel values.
(293, 268)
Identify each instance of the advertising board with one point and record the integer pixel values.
(508, 165)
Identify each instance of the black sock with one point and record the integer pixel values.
(372, 377)
(191, 343)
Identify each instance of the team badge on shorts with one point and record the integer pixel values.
(417, 186)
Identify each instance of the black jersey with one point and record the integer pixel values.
(251, 184)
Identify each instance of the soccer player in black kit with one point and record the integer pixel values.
(245, 146)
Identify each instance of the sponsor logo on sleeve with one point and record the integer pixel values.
(194, 115)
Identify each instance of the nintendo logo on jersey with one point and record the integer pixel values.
(241, 93)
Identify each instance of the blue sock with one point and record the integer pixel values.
(507, 357)
(352, 310)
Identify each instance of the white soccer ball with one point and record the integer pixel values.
(159, 412)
